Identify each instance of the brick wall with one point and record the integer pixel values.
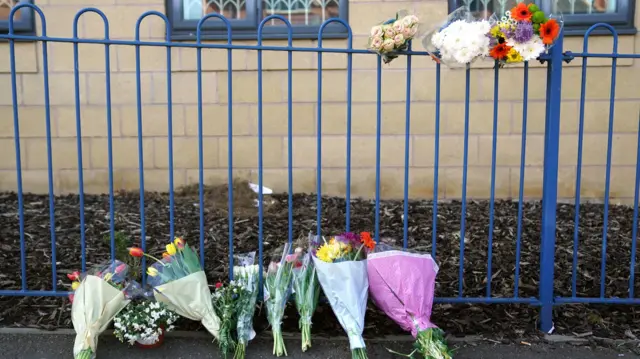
(123, 15)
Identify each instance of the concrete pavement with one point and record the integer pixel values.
(59, 346)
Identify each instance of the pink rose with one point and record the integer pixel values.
(273, 268)
(291, 258)
(376, 31)
(376, 43)
(398, 27)
(406, 21)
(398, 39)
(414, 30)
(388, 45)
(406, 32)
(389, 32)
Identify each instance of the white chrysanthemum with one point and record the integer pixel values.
(463, 41)
(531, 49)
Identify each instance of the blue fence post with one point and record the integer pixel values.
(550, 184)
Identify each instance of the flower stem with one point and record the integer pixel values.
(85, 354)
(359, 353)
(241, 350)
(306, 336)
(278, 343)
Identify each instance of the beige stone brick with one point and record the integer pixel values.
(154, 120)
(245, 87)
(59, 19)
(478, 182)
(451, 150)
(93, 121)
(61, 89)
(216, 177)
(184, 88)
(125, 153)
(215, 120)
(369, 15)
(275, 119)
(94, 181)
(8, 158)
(365, 86)
(91, 58)
(156, 180)
(532, 187)
(603, 45)
(32, 122)
(33, 181)
(304, 180)
(622, 183)
(245, 152)
(363, 151)
(185, 152)
(508, 150)
(213, 59)
(363, 183)
(511, 84)
(278, 60)
(123, 88)
(7, 96)
(624, 149)
(98, 3)
(568, 150)
(421, 183)
(536, 114)
(64, 153)
(364, 118)
(596, 117)
(126, 18)
(152, 58)
(26, 54)
(480, 118)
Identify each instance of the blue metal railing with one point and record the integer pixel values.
(546, 298)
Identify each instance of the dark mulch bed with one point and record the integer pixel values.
(493, 320)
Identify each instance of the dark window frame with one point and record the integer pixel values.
(247, 29)
(23, 26)
(578, 24)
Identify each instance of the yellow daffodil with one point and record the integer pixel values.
(171, 249)
(152, 271)
(107, 277)
(75, 285)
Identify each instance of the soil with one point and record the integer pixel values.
(457, 319)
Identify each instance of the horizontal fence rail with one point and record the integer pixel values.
(546, 296)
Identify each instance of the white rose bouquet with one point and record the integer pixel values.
(393, 35)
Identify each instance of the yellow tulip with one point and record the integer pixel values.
(75, 285)
(107, 277)
(179, 243)
(171, 249)
(152, 271)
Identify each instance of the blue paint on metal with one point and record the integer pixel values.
(550, 185)
(463, 215)
(546, 299)
(523, 149)
(407, 136)
(436, 159)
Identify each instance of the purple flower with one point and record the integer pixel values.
(524, 31)
(508, 32)
(350, 238)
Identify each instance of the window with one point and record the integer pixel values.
(23, 21)
(305, 16)
(578, 15)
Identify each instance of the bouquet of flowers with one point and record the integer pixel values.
(98, 297)
(225, 303)
(402, 284)
(307, 291)
(144, 323)
(461, 39)
(393, 35)
(246, 276)
(523, 34)
(277, 288)
(180, 283)
(342, 272)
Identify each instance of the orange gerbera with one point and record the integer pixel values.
(366, 239)
(500, 51)
(521, 12)
(549, 31)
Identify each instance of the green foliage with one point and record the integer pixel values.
(122, 244)
(539, 17)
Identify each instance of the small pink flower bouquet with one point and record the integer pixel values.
(99, 295)
(393, 35)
